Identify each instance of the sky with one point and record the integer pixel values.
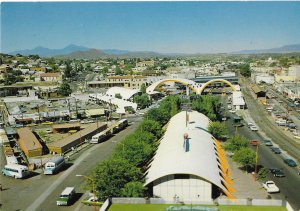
(166, 27)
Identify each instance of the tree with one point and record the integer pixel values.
(118, 71)
(236, 142)
(68, 70)
(143, 88)
(159, 115)
(217, 129)
(64, 89)
(143, 101)
(134, 151)
(118, 95)
(208, 105)
(111, 175)
(133, 189)
(152, 127)
(245, 70)
(244, 156)
(262, 174)
(144, 136)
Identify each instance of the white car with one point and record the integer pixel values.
(232, 111)
(270, 187)
(250, 124)
(253, 128)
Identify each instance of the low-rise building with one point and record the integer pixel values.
(127, 81)
(29, 144)
(51, 77)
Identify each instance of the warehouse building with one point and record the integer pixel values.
(29, 143)
(73, 141)
(189, 164)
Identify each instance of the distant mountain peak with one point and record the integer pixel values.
(283, 49)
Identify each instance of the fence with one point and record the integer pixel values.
(249, 201)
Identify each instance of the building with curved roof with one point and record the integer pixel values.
(125, 93)
(189, 163)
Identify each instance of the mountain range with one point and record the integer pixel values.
(80, 52)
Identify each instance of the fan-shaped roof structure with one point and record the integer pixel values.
(124, 92)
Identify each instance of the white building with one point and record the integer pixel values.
(238, 101)
(126, 93)
(266, 78)
(187, 165)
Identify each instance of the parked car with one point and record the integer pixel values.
(290, 162)
(249, 124)
(92, 201)
(254, 142)
(271, 187)
(268, 143)
(276, 150)
(254, 128)
(277, 172)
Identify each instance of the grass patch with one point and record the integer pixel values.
(162, 207)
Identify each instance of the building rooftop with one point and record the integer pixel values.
(200, 160)
(29, 138)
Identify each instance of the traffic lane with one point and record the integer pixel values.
(263, 120)
(96, 155)
(268, 159)
(24, 191)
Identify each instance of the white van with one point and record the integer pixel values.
(66, 196)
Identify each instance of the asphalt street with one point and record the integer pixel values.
(40, 192)
(289, 185)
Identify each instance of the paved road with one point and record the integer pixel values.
(40, 191)
(263, 120)
(288, 185)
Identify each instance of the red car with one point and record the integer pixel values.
(254, 142)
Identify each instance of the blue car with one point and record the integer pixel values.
(290, 162)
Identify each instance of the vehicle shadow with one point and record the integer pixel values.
(66, 166)
(76, 197)
(32, 174)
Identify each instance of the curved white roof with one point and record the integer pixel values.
(171, 157)
(124, 92)
(121, 104)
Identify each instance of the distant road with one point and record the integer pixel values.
(262, 119)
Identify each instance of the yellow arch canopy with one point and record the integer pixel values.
(197, 88)
(216, 80)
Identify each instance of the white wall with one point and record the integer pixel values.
(187, 190)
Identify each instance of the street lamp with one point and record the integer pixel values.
(93, 182)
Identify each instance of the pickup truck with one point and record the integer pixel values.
(270, 187)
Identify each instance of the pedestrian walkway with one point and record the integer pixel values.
(244, 183)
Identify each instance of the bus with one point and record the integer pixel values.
(54, 165)
(15, 170)
(122, 124)
(101, 136)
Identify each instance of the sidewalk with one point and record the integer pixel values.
(244, 184)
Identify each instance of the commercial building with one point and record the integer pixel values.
(73, 141)
(189, 164)
(238, 101)
(204, 79)
(126, 81)
(29, 143)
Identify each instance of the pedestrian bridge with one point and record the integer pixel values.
(196, 87)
